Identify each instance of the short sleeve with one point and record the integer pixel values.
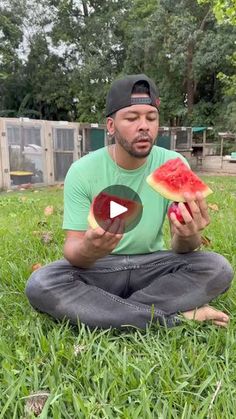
(77, 200)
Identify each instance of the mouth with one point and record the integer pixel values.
(143, 141)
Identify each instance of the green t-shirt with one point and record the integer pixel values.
(88, 176)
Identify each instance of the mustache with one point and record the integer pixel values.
(143, 137)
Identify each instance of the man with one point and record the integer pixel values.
(110, 279)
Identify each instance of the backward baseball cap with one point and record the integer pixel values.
(119, 95)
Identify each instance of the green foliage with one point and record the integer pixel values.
(225, 10)
(229, 82)
(72, 50)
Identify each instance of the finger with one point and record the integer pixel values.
(190, 200)
(199, 200)
(220, 323)
(101, 229)
(196, 214)
(122, 227)
(192, 196)
(198, 208)
(111, 241)
(188, 197)
(188, 218)
(185, 228)
(203, 206)
(97, 232)
(174, 221)
(111, 226)
(114, 227)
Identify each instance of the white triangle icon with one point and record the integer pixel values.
(116, 209)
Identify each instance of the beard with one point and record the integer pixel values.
(130, 146)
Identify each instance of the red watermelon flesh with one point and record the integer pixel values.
(173, 178)
(101, 207)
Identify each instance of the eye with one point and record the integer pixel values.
(131, 118)
(152, 118)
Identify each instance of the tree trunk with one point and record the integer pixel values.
(190, 79)
(85, 8)
(191, 83)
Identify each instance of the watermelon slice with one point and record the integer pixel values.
(173, 178)
(100, 210)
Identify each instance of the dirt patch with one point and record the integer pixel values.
(204, 173)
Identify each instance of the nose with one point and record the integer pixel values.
(143, 123)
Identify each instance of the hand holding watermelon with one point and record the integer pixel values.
(195, 218)
(100, 242)
(175, 181)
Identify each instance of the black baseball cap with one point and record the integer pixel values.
(119, 95)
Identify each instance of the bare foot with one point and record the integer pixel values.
(207, 313)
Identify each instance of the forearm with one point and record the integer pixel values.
(181, 244)
(76, 253)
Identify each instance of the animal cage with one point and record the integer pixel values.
(41, 152)
(175, 138)
(38, 152)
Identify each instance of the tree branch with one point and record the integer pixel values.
(85, 8)
(203, 23)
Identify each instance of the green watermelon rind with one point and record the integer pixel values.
(91, 220)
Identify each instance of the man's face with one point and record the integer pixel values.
(135, 128)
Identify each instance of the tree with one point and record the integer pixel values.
(225, 12)
(63, 55)
(93, 35)
(10, 39)
(181, 45)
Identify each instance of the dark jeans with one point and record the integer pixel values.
(133, 290)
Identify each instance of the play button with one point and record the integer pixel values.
(116, 205)
(116, 209)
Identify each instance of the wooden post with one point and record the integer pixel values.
(173, 137)
(48, 143)
(106, 138)
(6, 180)
(1, 162)
(77, 141)
(84, 142)
(221, 150)
(204, 144)
(44, 151)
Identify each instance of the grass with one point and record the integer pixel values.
(186, 372)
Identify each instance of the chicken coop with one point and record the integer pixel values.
(41, 152)
(176, 138)
(38, 152)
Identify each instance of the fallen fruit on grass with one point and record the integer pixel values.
(174, 178)
(36, 266)
(174, 208)
(35, 403)
(48, 210)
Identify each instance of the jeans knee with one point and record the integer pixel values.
(225, 268)
(32, 289)
(224, 272)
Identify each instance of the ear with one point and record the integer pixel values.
(110, 126)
